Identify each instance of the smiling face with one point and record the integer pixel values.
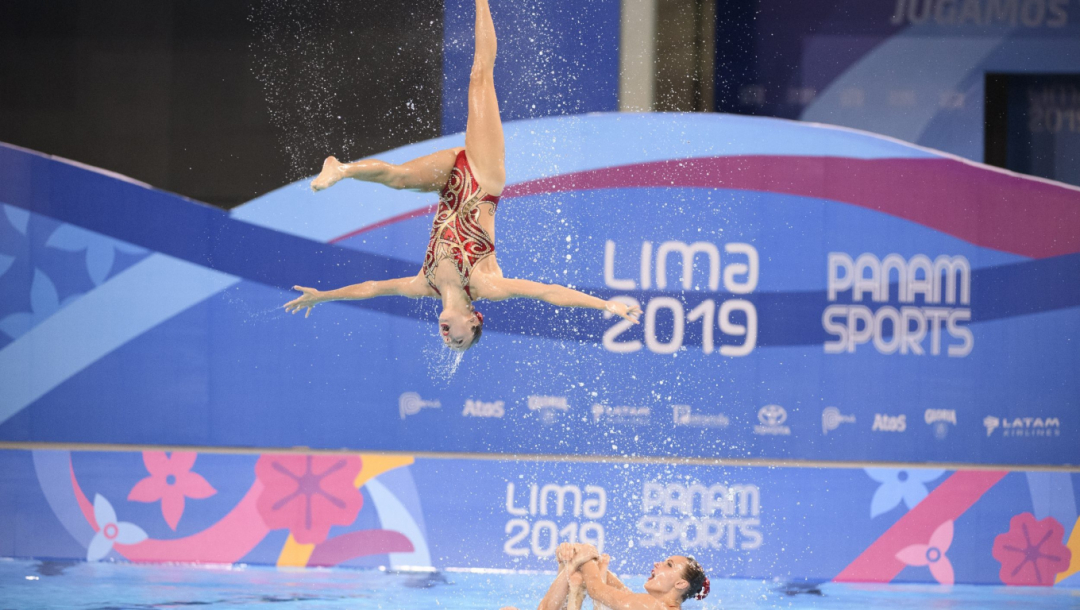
(667, 575)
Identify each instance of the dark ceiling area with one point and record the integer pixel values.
(216, 100)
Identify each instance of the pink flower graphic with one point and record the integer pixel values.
(1031, 552)
(308, 494)
(932, 554)
(170, 481)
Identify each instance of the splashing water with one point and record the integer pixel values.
(295, 61)
(251, 314)
(442, 362)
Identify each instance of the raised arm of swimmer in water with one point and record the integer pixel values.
(578, 590)
(581, 555)
(611, 596)
(557, 596)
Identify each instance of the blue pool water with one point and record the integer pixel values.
(33, 584)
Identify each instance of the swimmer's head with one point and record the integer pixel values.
(694, 574)
(461, 330)
(679, 573)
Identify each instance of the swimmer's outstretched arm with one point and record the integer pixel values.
(498, 289)
(613, 581)
(414, 287)
(555, 598)
(618, 599)
(425, 174)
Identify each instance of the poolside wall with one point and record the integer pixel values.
(135, 319)
(785, 523)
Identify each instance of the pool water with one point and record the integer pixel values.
(36, 584)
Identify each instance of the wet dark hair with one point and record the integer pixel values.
(478, 329)
(695, 575)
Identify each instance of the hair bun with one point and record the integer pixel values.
(704, 592)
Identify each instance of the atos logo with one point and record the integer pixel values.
(772, 418)
(889, 423)
(477, 408)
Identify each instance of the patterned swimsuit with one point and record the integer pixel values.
(456, 233)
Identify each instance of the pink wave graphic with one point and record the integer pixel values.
(983, 206)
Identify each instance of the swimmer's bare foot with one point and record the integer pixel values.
(329, 176)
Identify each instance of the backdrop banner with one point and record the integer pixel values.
(809, 293)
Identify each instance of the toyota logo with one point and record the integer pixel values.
(772, 415)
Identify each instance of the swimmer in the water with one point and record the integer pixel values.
(566, 591)
(672, 581)
(460, 265)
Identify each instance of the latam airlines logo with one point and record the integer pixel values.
(772, 418)
(620, 414)
(1023, 426)
(410, 403)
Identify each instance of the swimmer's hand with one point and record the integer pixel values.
(583, 553)
(630, 313)
(564, 553)
(308, 300)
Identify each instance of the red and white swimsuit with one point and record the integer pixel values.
(456, 233)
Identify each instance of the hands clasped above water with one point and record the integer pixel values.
(585, 570)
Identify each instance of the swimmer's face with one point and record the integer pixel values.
(458, 330)
(667, 575)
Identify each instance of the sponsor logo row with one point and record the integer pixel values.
(942, 420)
(548, 409)
(411, 403)
(772, 420)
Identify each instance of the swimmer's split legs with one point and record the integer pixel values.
(484, 141)
(428, 173)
